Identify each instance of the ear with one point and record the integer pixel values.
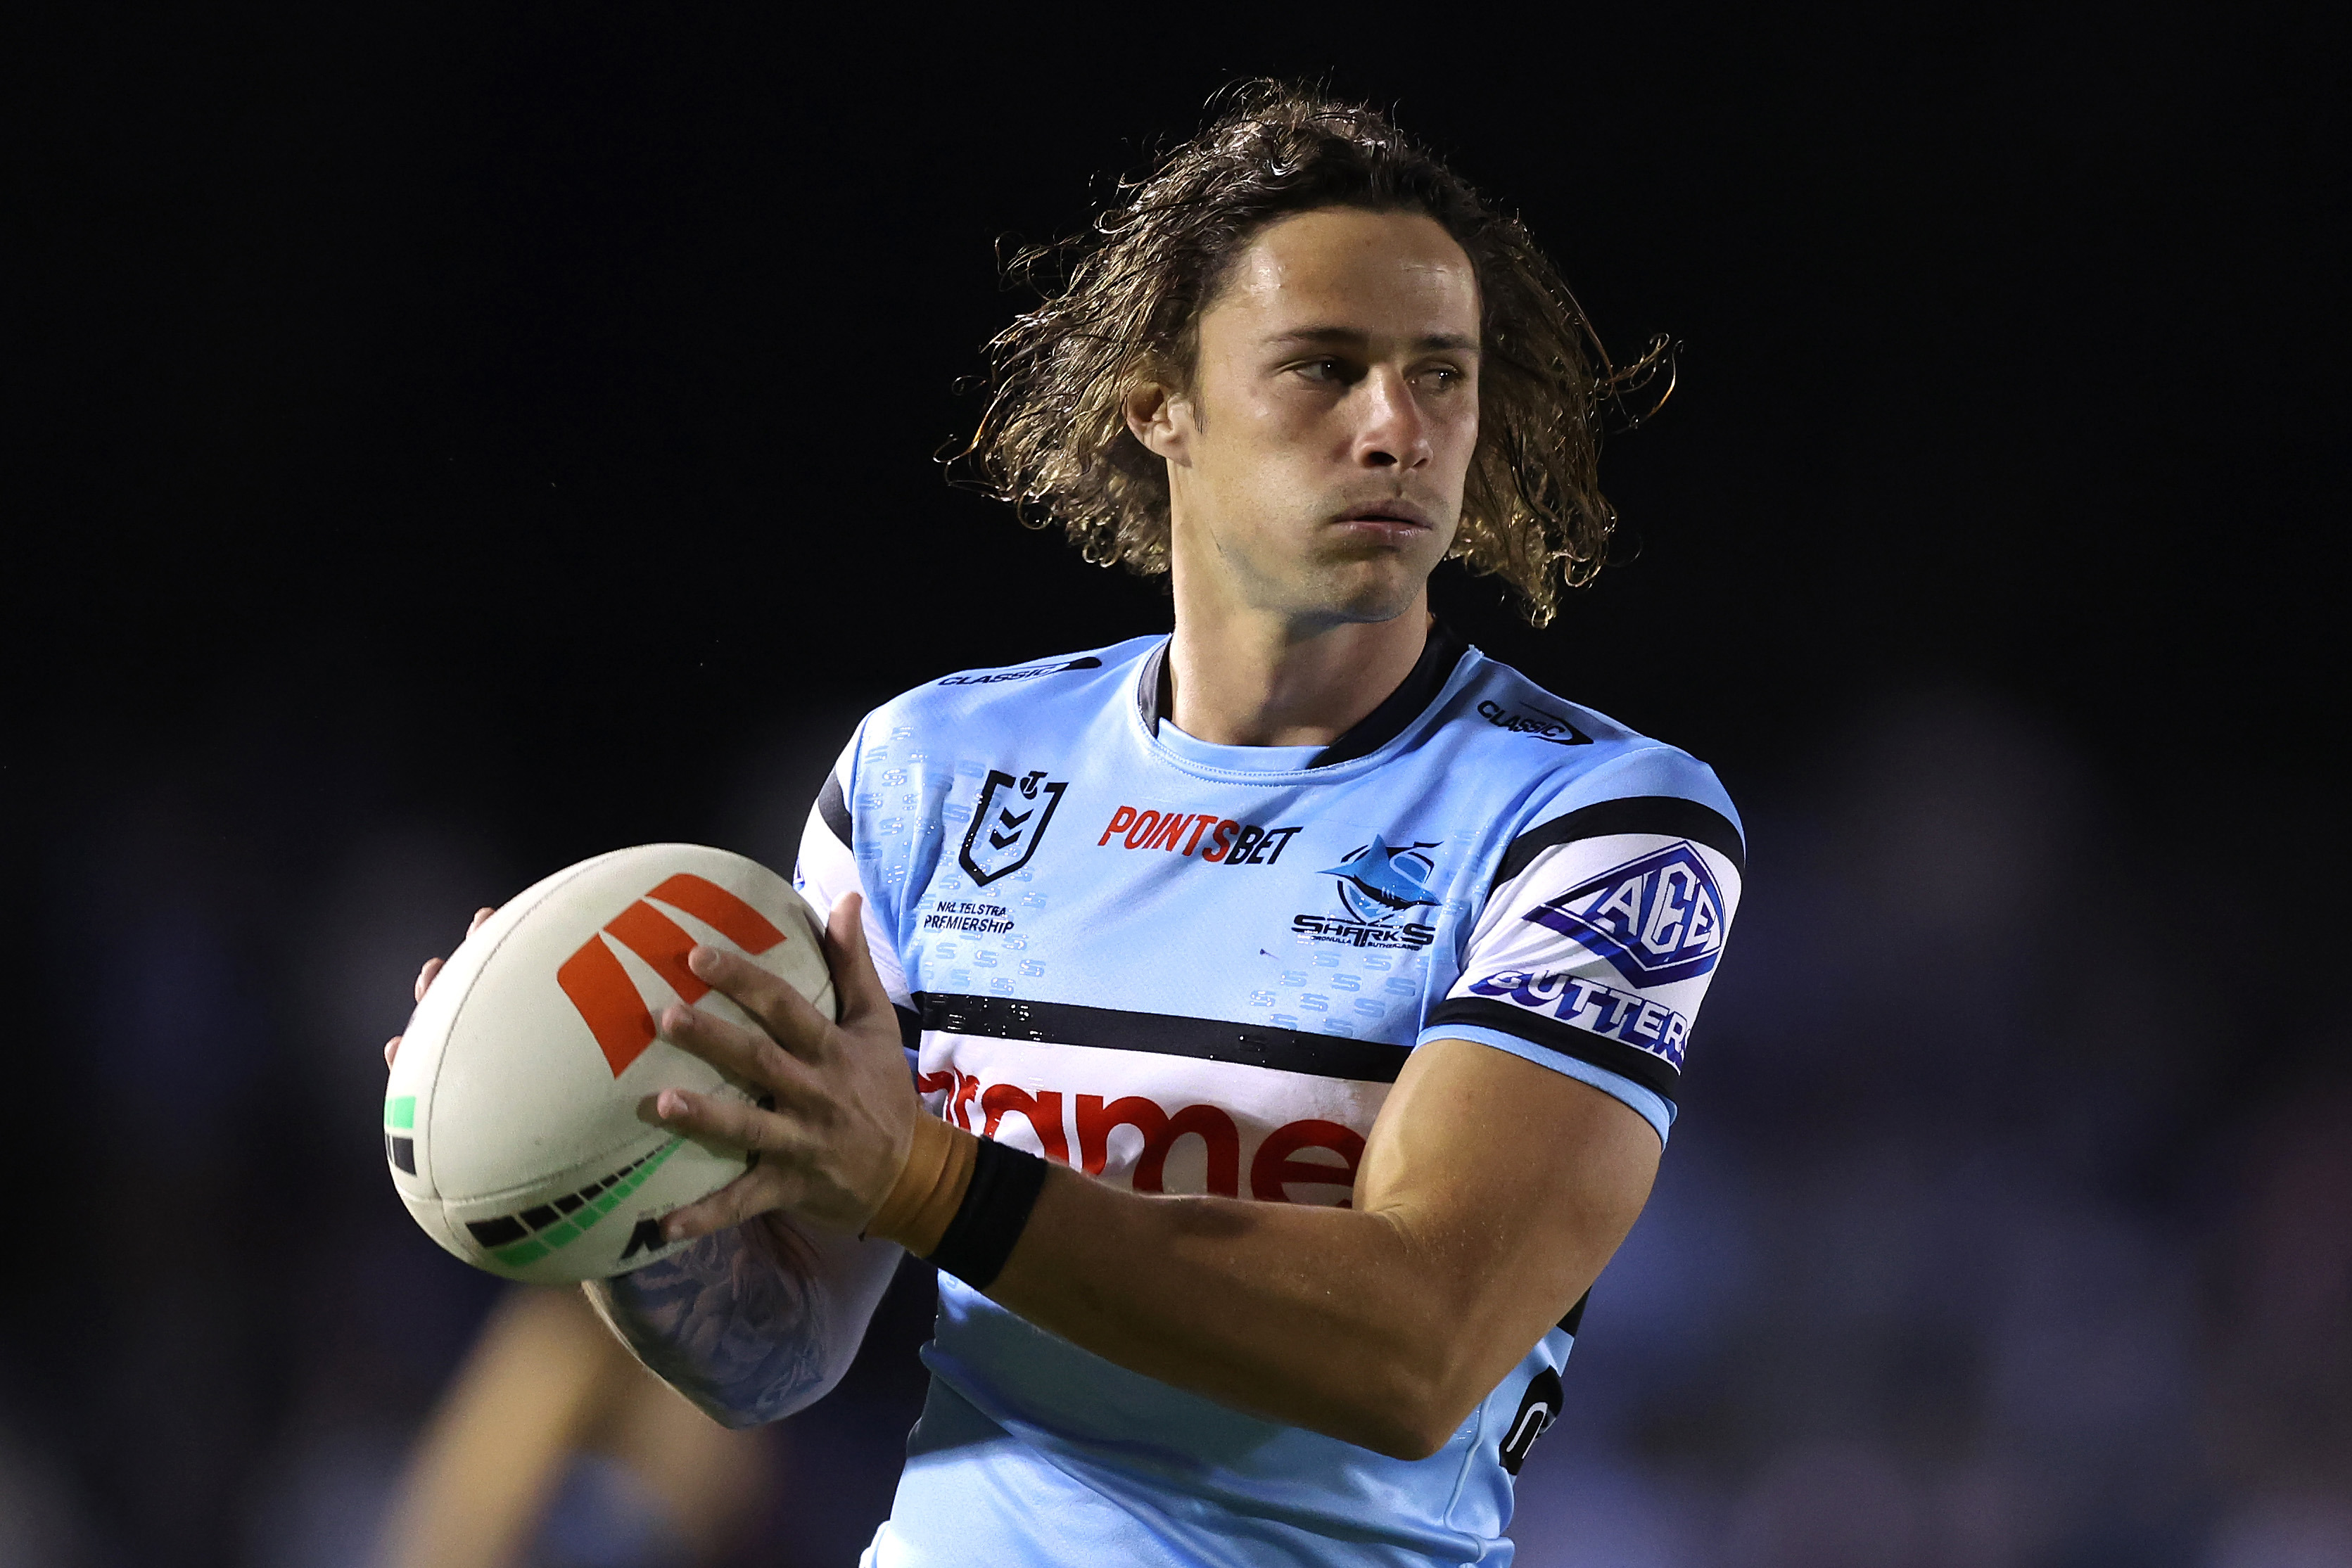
(1160, 420)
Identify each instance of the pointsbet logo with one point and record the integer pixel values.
(600, 987)
(1218, 840)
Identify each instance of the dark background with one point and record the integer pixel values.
(442, 444)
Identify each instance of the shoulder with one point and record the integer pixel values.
(1575, 772)
(1014, 693)
(924, 730)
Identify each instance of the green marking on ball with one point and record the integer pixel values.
(400, 1111)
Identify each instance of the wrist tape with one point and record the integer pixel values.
(995, 1209)
(960, 1202)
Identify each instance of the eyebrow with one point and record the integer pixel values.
(1352, 338)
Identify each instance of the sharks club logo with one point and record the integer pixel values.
(1008, 823)
(1380, 889)
(1378, 883)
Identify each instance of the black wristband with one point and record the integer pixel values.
(995, 1209)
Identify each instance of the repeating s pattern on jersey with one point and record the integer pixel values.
(1188, 968)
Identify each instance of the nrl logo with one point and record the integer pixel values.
(1008, 823)
(1657, 920)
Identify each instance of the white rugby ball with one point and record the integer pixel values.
(518, 1121)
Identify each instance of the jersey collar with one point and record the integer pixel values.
(1439, 654)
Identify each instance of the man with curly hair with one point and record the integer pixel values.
(1295, 1003)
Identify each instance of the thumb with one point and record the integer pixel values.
(855, 982)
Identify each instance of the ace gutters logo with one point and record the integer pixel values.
(1656, 919)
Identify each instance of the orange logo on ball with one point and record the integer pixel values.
(600, 989)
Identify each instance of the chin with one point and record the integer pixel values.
(1372, 597)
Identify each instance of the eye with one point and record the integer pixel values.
(1325, 369)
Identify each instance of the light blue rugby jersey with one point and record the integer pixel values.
(1193, 969)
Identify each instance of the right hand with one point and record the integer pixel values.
(424, 981)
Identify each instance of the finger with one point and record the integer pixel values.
(391, 1049)
(729, 1123)
(789, 1016)
(479, 916)
(424, 976)
(855, 982)
(755, 1192)
(746, 1054)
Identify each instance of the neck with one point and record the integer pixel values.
(1252, 677)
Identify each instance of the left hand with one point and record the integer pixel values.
(845, 1103)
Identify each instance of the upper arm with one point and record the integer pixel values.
(1518, 1145)
(829, 869)
(1511, 1185)
(1599, 938)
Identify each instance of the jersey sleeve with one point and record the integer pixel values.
(1600, 932)
(828, 870)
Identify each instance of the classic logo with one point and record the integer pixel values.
(1542, 726)
(1378, 885)
(1656, 919)
(1008, 823)
(995, 677)
(600, 987)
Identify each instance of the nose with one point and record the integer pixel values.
(1392, 432)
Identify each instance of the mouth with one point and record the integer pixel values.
(1386, 515)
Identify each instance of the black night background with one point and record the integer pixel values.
(444, 442)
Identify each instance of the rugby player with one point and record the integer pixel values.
(1268, 1029)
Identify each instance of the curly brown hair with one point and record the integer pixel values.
(1122, 307)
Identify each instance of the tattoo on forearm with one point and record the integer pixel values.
(737, 1323)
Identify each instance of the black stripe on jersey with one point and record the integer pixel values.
(1573, 1323)
(1439, 654)
(833, 809)
(1150, 696)
(910, 1027)
(1653, 1074)
(1208, 1039)
(1668, 816)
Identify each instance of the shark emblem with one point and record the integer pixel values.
(1376, 883)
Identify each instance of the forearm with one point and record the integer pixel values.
(1332, 1318)
(1490, 1193)
(1384, 1322)
(751, 1324)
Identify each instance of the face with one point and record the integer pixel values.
(1316, 462)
